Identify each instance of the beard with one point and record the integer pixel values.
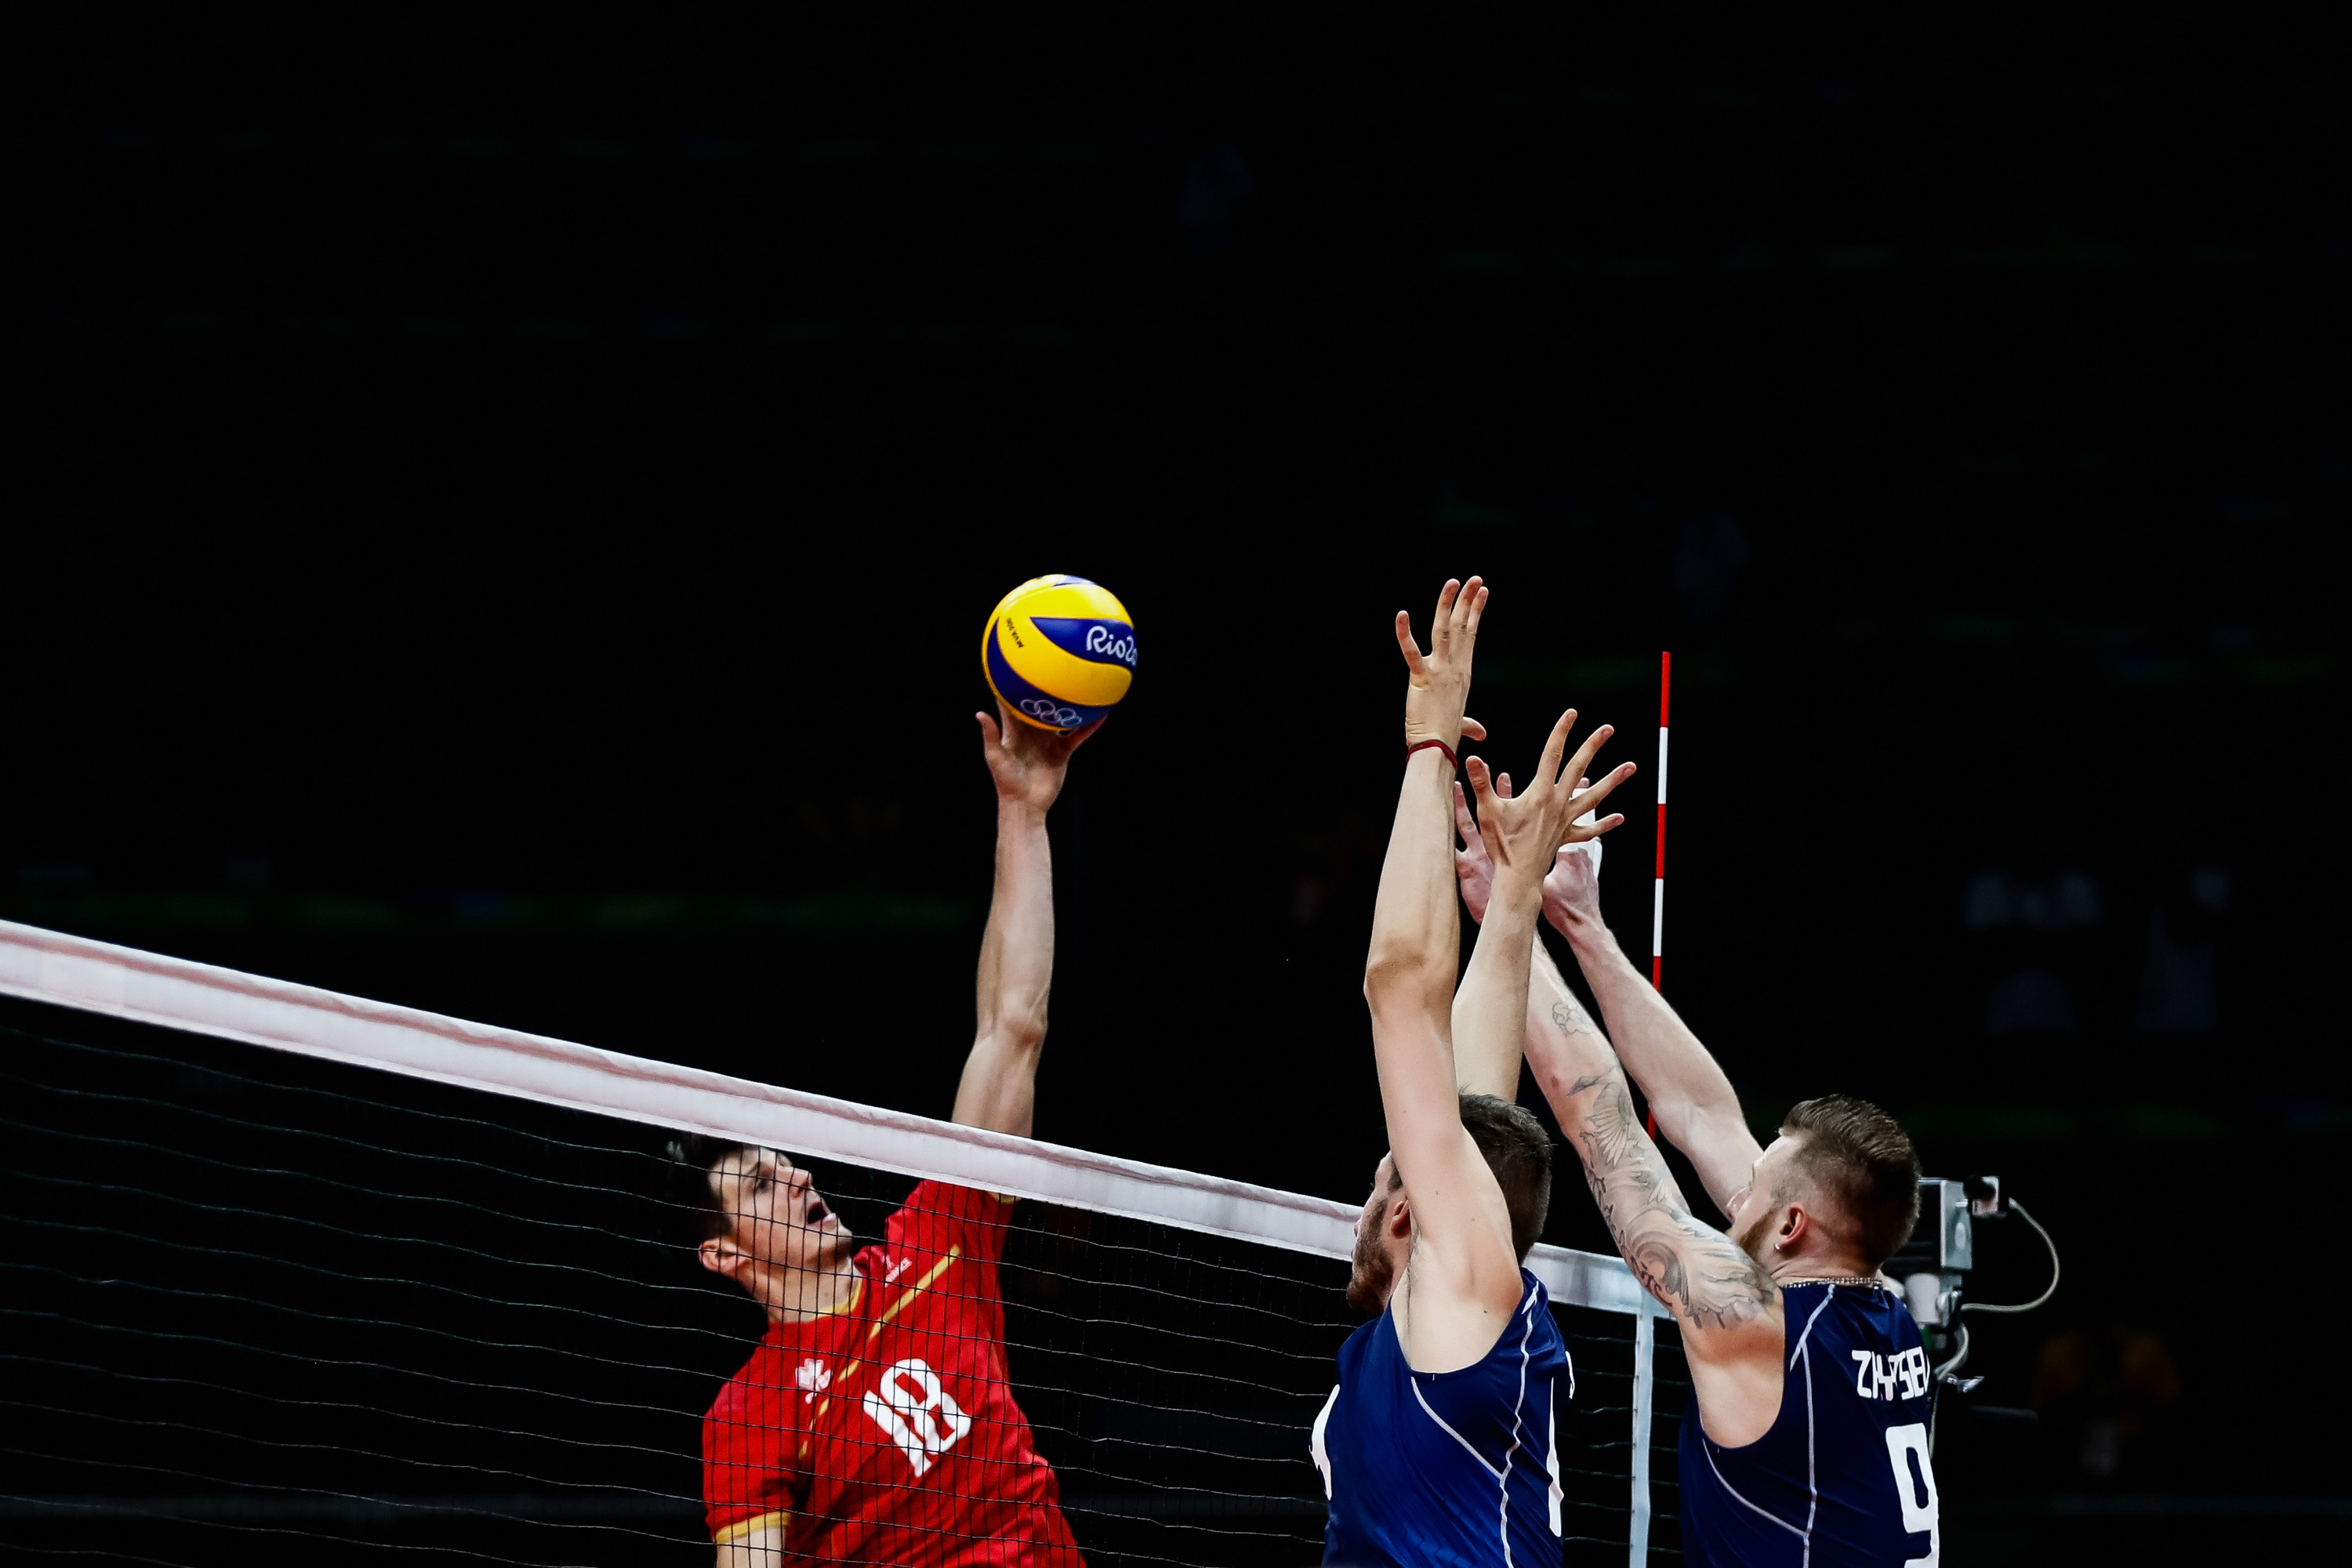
(1751, 1240)
(1373, 1274)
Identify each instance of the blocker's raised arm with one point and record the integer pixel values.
(1520, 837)
(1463, 1282)
(1727, 1305)
(1697, 1109)
(1487, 1062)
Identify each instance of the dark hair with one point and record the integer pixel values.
(1861, 1160)
(697, 1157)
(1519, 1151)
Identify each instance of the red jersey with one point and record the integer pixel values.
(885, 1431)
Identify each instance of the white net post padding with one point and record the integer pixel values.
(88, 976)
(1645, 1351)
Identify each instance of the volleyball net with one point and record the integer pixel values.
(286, 1270)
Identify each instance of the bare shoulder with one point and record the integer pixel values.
(1737, 1371)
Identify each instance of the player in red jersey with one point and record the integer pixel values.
(875, 1425)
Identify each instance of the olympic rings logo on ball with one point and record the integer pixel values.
(1101, 639)
(1050, 711)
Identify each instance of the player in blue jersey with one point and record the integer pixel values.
(1436, 1447)
(1806, 1440)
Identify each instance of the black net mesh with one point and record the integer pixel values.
(259, 1305)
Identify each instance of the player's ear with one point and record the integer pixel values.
(1793, 1227)
(720, 1256)
(1400, 1217)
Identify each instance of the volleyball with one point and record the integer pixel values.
(1059, 652)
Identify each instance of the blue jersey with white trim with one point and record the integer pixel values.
(1843, 1475)
(1446, 1469)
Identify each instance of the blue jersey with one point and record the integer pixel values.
(1446, 1469)
(1843, 1475)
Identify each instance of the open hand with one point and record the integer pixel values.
(1027, 764)
(1438, 683)
(1522, 834)
(1571, 892)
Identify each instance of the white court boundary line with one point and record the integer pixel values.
(201, 998)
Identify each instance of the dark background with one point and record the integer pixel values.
(503, 524)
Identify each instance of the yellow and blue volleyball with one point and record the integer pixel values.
(1059, 652)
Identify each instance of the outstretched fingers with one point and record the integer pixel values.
(1469, 606)
(1580, 762)
(1482, 782)
(1459, 606)
(1441, 620)
(1405, 645)
(1548, 767)
(1588, 799)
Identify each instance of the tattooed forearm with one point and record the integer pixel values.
(1612, 1122)
(1570, 1018)
(1694, 1270)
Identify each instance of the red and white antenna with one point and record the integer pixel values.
(1658, 889)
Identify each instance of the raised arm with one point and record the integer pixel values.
(1727, 1305)
(1463, 1280)
(1693, 1101)
(999, 1089)
(1510, 974)
(1697, 1109)
(1482, 1067)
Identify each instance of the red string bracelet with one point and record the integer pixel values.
(1424, 745)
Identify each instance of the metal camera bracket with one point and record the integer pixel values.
(1934, 1263)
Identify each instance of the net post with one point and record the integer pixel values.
(1645, 1345)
